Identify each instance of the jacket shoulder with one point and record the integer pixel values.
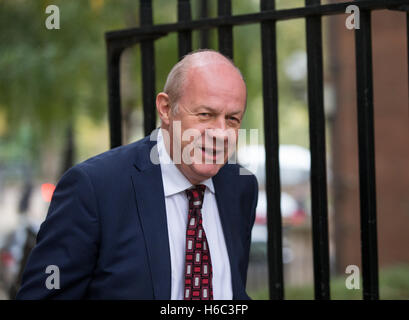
(240, 174)
(117, 159)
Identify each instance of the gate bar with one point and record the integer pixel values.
(271, 129)
(318, 155)
(148, 70)
(228, 20)
(184, 37)
(114, 95)
(407, 44)
(225, 32)
(369, 247)
(204, 33)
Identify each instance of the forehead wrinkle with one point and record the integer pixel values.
(217, 111)
(209, 108)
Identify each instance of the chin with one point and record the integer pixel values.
(206, 171)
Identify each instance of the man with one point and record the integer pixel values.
(157, 220)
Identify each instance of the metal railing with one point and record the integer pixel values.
(147, 34)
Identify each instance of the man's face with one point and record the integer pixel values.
(209, 115)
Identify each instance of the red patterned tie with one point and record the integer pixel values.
(198, 266)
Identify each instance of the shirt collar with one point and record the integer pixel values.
(173, 179)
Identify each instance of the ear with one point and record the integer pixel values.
(163, 107)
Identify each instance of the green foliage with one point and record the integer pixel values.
(50, 77)
(46, 74)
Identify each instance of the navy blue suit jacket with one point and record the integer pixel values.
(106, 229)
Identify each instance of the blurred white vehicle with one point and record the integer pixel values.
(291, 214)
(294, 164)
(294, 170)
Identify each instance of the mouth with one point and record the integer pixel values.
(212, 154)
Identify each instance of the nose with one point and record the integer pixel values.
(219, 123)
(218, 129)
(219, 132)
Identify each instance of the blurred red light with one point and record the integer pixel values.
(6, 258)
(47, 190)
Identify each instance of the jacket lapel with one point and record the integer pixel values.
(151, 206)
(228, 206)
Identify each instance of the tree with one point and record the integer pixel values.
(48, 78)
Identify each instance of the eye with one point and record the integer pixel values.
(204, 114)
(237, 120)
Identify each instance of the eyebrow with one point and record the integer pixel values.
(216, 111)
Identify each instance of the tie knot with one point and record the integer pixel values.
(196, 195)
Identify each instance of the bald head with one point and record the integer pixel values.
(176, 80)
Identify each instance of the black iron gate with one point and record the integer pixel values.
(313, 12)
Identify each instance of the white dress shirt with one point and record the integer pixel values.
(177, 205)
